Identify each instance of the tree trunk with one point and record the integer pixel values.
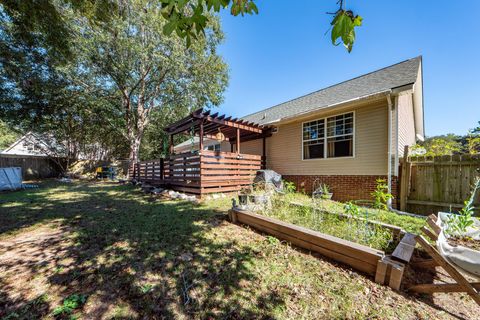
(135, 147)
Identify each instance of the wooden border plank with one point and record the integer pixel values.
(354, 263)
(404, 249)
(381, 273)
(431, 221)
(441, 287)
(328, 243)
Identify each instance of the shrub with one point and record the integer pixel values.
(381, 196)
(289, 186)
(457, 224)
(351, 209)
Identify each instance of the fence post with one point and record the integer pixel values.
(404, 180)
(161, 169)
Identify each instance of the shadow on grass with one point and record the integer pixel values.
(155, 260)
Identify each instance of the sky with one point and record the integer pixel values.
(283, 53)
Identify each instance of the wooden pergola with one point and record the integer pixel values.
(203, 171)
(204, 124)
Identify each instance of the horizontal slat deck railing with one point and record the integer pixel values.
(207, 172)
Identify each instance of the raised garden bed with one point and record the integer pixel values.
(386, 269)
(357, 256)
(360, 229)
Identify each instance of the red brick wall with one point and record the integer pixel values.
(344, 188)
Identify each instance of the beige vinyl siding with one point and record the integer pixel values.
(225, 146)
(406, 122)
(251, 147)
(284, 148)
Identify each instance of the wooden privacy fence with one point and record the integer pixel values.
(196, 173)
(432, 184)
(33, 167)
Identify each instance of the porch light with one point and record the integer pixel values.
(219, 136)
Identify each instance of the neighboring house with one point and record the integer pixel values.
(346, 135)
(34, 144)
(30, 144)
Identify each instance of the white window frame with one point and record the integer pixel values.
(325, 138)
(213, 145)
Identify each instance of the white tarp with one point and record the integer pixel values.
(10, 178)
(462, 257)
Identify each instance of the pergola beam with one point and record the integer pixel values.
(238, 124)
(251, 137)
(200, 140)
(207, 125)
(238, 140)
(184, 127)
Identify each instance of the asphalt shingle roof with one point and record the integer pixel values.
(391, 77)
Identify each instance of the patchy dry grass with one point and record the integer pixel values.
(102, 251)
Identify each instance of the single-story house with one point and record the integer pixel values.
(346, 135)
(43, 145)
(30, 144)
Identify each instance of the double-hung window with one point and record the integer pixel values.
(330, 137)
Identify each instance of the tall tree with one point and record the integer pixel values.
(130, 59)
(36, 95)
(187, 19)
(473, 140)
(7, 135)
(441, 145)
(155, 143)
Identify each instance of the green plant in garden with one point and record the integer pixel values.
(272, 241)
(71, 303)
(381, 196)
(330, 222)
(351, 209)
(146, 288)
(324, 188)
(289, 186)
(457, 224)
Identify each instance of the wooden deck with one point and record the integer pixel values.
(208, 172)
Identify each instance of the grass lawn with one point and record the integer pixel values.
(105, 251)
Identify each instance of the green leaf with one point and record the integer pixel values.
(357, 22)
(344, 28)
(169, 27)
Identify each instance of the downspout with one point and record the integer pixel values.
(389, 165)
(397, 156)
(389, 204)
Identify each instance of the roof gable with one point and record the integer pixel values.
(394, 76)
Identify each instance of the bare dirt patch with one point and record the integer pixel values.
(26, 262)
